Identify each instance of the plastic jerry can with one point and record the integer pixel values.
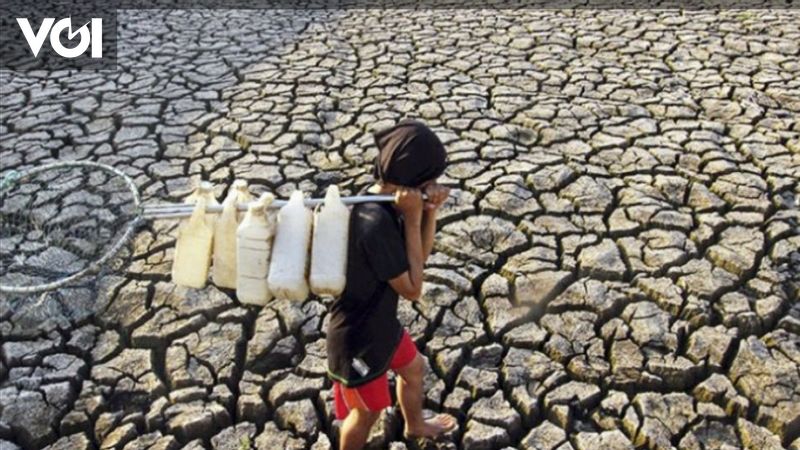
(287, 273)
(193, 249)
(223, 270)
(329, 246)
(253, 244)
(205, 190)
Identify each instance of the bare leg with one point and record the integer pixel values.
(356, 428)
(409, 392)
(410, 396)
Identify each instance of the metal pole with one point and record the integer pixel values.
(174, 211)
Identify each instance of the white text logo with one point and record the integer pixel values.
(87, 38)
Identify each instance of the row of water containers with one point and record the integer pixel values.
(262, 254)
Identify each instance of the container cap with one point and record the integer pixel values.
(332, 195)
(296, 198)
(262, 203)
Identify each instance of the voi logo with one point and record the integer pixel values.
(93, 38)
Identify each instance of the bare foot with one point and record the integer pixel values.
(433, 427)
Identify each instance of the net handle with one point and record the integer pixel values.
(15, 177)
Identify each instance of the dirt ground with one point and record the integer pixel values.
(617, 267)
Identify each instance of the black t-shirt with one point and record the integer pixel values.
(363, 331)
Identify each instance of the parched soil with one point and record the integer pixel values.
(617, 266)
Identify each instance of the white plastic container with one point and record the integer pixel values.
(253, 242)
(287, 272)
(223, 271)
(193, 249)
(329, 246)
(205, 190)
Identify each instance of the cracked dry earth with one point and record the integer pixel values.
(617, 267)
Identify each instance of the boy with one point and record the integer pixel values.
(388, 246)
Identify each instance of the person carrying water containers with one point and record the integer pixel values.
(388, 246)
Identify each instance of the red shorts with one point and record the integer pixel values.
(374, 395)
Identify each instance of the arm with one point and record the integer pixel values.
(428, 233)
(409, 283)
(437, 195)
(420, 229)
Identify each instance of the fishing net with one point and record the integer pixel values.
(59, 221)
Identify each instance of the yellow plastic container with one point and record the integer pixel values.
(287, 272)
(329, 246)
(223, 271)
(205, 190)
(254, 242)
(193, 249)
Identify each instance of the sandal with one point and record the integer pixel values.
(437, 436)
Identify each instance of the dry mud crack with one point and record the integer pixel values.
(617, 268)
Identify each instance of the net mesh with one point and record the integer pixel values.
(57, 222)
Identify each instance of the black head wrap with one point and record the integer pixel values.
(409, 154)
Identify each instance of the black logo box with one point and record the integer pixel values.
(16, 53)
